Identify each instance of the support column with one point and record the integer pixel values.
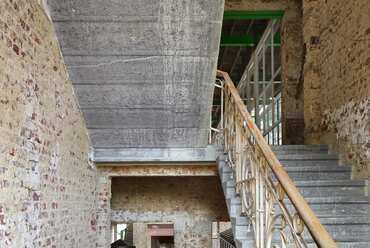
(312, 80)
(104, 212)
(292, 59)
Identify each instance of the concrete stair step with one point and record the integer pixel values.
(226, 176)
(328, 168)
(242, 232)
(235, 211)
(348, 229)
(303, 152)
(245, 243)
(353, 244)
(337, 206)
(331, 188)
(313, 163)
(240, 220)
(346, 245)
(303, 173)
(283, 157)
(338, 201)
(299, 148)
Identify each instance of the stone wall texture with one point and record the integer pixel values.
(47, 182)
(337, 78)
(190, 203)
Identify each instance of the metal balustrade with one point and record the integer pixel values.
(279, 214)
(225, 244)
(260, 86)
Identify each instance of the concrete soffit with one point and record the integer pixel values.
(109, 156)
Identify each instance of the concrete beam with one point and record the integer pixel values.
(157, 170)
(159, 155)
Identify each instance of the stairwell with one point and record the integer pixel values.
(339, 202)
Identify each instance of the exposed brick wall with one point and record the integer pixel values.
(190, 203)
(103, 223)
(337, 78)
(47, 183)
(291, 60)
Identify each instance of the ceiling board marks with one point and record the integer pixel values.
(143, 70)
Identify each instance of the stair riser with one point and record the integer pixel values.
(246, 244)
(336, 209)
(230, 192)
(311, 156)
(319, 175)
(315, 175)
(340, 233)
(242, 221)
(226, 169)
(327, 188)
(302, 152)
(226, 177)
(347, 245)
(234, 201)
(359, 233)
(331, 191)
(352, 245)
(299, 147)
(242, 232)
(313, 163)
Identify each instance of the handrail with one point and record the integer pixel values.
(305, 213)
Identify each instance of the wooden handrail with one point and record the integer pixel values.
(313, 224)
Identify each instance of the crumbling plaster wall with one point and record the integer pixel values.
(291, 60)
(47, 182)
(337, 78)
(190, 203)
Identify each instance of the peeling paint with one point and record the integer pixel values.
(351, 125)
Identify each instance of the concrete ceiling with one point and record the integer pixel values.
(143, 70)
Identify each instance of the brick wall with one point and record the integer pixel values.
(337, 78)
(47, 183)
(190, 203)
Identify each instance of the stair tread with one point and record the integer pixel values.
(330, 182)
(345, 220)
(282, 147)
(317, 168)
(307, 156)
(338, 201)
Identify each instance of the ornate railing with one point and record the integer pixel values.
(225, 244)
(277, 210)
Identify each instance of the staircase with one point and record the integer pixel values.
(338, 201)
(242, 230)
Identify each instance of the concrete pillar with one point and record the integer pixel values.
(292, 57)
(312, 86)
(104, 212)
